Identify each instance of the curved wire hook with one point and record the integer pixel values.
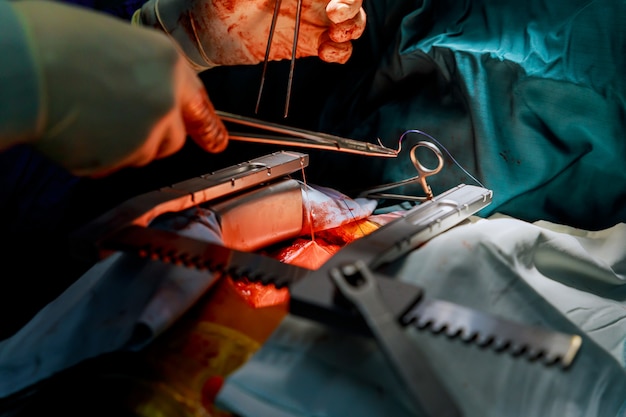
(424, 172)
(442, 147)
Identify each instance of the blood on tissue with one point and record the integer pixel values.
(258, 295)
(348, 232)
(325, 215)
(303, 253)
(306, 253)
(309, 253)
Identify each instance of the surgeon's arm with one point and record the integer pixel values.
(236, 32)
(94, 93)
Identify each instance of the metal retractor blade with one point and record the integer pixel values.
(173, 248)
(313, 295)
(486, 330)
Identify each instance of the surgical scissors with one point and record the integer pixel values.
(423, 173)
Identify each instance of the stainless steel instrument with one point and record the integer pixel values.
(313, 294)
(292, 136)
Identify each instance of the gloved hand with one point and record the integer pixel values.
(236, 32)
(112, 95)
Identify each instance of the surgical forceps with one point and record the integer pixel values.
(423, 173)
(294, 47)
(301, 137)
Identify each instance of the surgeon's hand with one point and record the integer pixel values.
(112, 95)
(235, 32)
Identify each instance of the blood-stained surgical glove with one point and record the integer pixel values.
(236, 32)
(111, 95)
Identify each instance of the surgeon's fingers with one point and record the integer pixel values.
(172, 143)
(348, 23)
(166, 141)
(341, 10)
(348, 29)
(167, 137)
(337, 52)
(201, 122)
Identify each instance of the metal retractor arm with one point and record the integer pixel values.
(428, 394)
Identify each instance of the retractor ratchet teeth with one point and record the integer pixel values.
(490, 332)
(438, 316)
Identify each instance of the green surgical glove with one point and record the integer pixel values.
(236, 32)
(112, 95)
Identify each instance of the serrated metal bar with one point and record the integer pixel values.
(173, 248)
(314, 297)
(438, 316)
(488, 331)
